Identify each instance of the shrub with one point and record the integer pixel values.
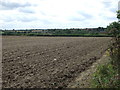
(105, 77)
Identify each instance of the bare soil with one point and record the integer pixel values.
(84, 79)
(48, 62)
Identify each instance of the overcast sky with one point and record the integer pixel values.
(27, 14)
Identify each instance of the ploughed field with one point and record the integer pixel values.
(48, 62)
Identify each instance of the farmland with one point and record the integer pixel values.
(44, 62)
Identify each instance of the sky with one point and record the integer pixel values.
(44, 14)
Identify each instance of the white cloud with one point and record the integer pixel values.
(57, 13)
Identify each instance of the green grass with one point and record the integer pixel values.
(105, 77)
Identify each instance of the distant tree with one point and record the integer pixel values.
(114, 28)
(100, 29)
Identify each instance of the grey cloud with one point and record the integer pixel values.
(113, 10)
(107, 17)
(26, 10)
(47, 14)
(12, 5)
(110, 18)
(76, 19)
(44, 21)
(107, 4)
(26, 18)
(21, 18)
(8, 19)
(43, 13)
(81, 16)
(86, 15)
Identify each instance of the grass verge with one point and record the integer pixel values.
(106, 76)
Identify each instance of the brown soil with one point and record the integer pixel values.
(84, 79)
(48, 62)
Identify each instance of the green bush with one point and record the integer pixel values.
(105, 77)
